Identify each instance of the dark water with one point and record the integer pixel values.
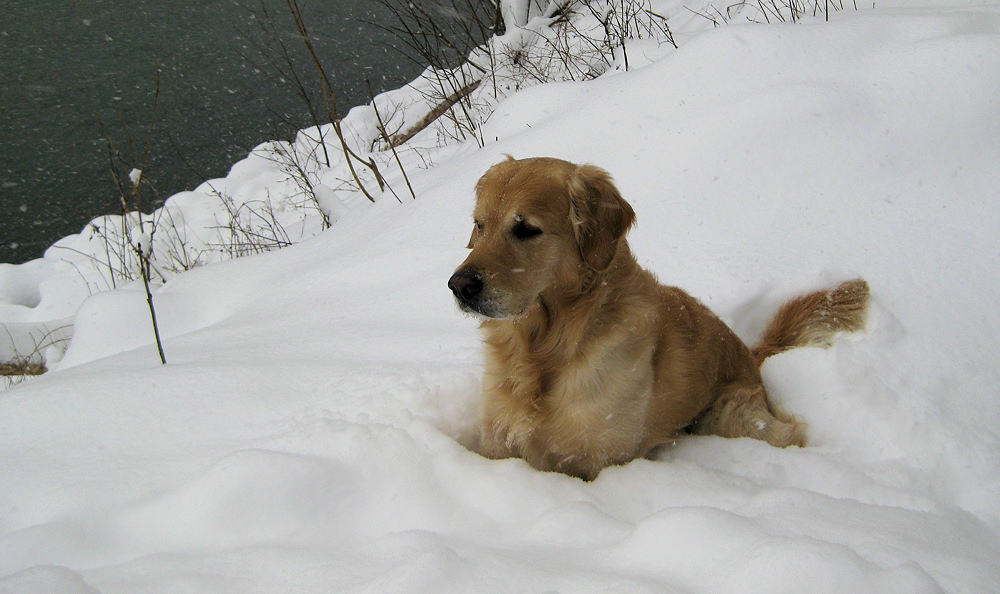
(63, 61)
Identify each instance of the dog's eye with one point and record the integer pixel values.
(523, 231)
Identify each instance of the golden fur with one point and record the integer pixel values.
(590, 362)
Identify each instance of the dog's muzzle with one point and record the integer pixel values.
(475, 297)
(468, 286)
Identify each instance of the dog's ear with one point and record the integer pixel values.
(599, 214)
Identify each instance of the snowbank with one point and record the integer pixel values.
(305, 435)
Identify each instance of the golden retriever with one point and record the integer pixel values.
(590, 362)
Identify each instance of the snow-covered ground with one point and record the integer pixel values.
(305, 435)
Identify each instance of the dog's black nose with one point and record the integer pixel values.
(467, 286)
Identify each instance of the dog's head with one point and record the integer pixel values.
(541, 225)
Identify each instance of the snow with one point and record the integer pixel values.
(306, 432)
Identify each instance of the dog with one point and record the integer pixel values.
(590, 361)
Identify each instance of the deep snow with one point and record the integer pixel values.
(305, 434)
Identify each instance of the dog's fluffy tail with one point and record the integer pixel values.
(815, 318)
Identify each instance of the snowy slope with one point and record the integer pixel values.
(305, 434)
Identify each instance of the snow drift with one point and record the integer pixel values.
(306, 433)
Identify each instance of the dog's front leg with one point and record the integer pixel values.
(494, 442)
(497, 442)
